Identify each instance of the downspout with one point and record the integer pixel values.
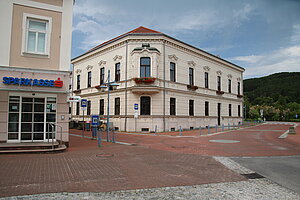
(125, 127)
(164, 91)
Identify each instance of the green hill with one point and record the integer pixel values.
(273, 87)
(278, 95)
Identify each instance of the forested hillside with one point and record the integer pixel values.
(278, 95)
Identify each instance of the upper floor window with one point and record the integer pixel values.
(145, 105)
(172, 106)
(239, 88)
(89, 79)
(37, 34)
(229, 86)
(206, 79)
(117, 72)
(78, 82)
(145, 67)
(117, 106)
(219, 82)
(101, 75)
(191, 107)
(191, 76)
(172, 72)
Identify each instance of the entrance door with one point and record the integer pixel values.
(219, 114)
(32, 119)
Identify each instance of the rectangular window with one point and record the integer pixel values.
(37, 32)
(239, 110)
(78, 82)
(145, 105)
(88, 112)
(117, 106)
(239, 88)
(101, 107)
(191, 107)
(77, 108)
(89, 79)
(172, 72)
(219, 83)
(206, 108)
(117, 72)
(172, 106)
(191, 76)
(101, 75)
(229, 86)
(229, 110)
(206, 79)
(145, 67)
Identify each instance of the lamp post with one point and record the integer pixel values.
(109, 85)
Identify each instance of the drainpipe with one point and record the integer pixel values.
(126, 55)
(164, 91)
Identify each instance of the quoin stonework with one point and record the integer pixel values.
(163, 83)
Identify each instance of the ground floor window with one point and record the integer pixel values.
(191, 107)
(28, 117)
(145, 105)
(172, 106)
(117, 106)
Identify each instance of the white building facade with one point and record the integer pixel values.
(170, 83)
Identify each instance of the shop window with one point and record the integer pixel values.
(145, 67)
(145, 129)
(172, 72)
(229, 110)
(145, 105)
(191, 107)
(172, 106)
(117, 106)
(117, 72)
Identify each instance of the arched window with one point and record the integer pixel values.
(145, 67)
(145, 105)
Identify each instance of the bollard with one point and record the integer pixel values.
(99, 133)
(180, 131)
(155, 130)
(238, 125)
(222, 127)
(216, 128)
(228, 126)
(208, 129)
(200, 130)
(233, 125)
(113, 135)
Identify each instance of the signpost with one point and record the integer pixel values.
(95, 124)
(136, 114)
(83, 107)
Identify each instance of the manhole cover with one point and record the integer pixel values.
(225, 141)
(104, 155)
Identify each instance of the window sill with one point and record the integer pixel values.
(35, 55)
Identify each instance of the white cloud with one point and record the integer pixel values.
(281, 60)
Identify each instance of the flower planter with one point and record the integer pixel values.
(98, 87)
(147, 80)
(192, 87)
(239, 96)
(77, 91)
(220, 92)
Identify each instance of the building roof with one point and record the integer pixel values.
(143, 30)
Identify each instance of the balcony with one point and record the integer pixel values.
(145, 85)
(192, 87)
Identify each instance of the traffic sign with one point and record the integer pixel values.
(136, 106)
(83, 102)
(95, 120)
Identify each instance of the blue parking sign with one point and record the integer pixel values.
(136, 106)
(95, 120)
(83, 102)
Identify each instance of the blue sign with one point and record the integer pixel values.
(83, 103)
(136, 106)
(296, 116)
(95, 120)
(32, 82)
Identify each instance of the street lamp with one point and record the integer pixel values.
(110, 86)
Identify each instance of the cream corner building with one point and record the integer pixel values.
(184, 86)
(35, 52)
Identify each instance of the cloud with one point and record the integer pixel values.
(282, 60)
(295, 38)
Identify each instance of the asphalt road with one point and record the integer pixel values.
(284, 170)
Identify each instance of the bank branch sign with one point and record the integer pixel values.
(33, 82)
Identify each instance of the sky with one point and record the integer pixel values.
(262, 36)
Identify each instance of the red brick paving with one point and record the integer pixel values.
(255, 141)
(82, 169)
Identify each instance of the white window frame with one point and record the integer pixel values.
(48, 20)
